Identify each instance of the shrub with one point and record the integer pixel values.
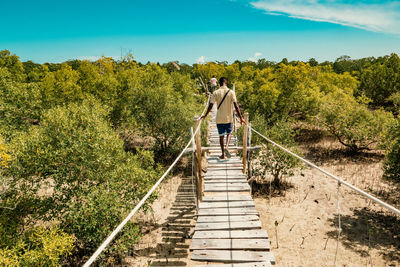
(353, 124)
(391, 165)
(273, 161)
(38, 247)
(163, 108)
(73, 168)
(20, 107)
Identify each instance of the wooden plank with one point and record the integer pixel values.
(231, 188)
(217, 160)
(233, 204)
(233, 244)
(227, 211)
(229, 256)
(212, 176)
(224, 168)
(249, 264)
(234, 218)
(226, 183)
(234, 234)
(230, 197)
(224, 175)
(224, 164)
(225, 180)
(228, 226)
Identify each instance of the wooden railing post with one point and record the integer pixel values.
(234, 116)
(194, 166)
(198, 156)
(245, 131)
(249, 170)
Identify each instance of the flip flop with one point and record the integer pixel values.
(227, 153)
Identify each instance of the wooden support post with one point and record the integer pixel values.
(245, 132)
(194, 165)
(234, 117)
(249, 170)
(198, 156)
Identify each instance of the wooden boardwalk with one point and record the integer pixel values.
(228, 230)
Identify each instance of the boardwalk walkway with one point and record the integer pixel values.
(228, 229)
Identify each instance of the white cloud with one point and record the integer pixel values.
(255, 57)
(95, 58)
(201, 60)
(90, 58)
(383, 17)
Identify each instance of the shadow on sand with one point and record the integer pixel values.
(173, 250)
(370, 229)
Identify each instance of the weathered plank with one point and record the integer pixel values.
(227, 173)
(249, 264)
(225, 180)
(227, 211)
(227, 197)
(229, 188)
(212, 176)
(228, 226)
(226, 183)
(234, 234)
(224, 168)
(233, 204)
(234, 244)
(226, 164)
(217, 160)
(235, 218)
(229, 256)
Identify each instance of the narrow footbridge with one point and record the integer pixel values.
(228, 231)
(228, 228)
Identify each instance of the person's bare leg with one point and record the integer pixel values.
(228, 140)
(221, 143)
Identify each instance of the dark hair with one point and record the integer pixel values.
(222, 80)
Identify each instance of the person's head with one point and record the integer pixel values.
(223, 81)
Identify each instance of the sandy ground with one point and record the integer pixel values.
(168, 227)
(306, 214)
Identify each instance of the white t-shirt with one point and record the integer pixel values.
(225, 111)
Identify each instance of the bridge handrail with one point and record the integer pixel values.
(143, 200)
(338, 179)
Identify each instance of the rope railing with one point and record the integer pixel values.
(338, 179)
(108, 240)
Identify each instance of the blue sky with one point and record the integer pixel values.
(193, 31)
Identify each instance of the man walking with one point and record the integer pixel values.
(213, 83)
(225, 100)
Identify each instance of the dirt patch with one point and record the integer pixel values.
(307, 215)
(168, 228)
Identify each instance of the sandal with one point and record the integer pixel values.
(227, 153)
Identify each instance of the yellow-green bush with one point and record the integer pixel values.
(38, 247)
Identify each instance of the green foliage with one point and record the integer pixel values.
(391, 165)
(352, 123)
(38, 247)
(61, 87)
(164, 107)
(89, 181)
(381, 80)
(13, 65)
(20, 107)
(274, 162)
(290, 90)
(62, 158)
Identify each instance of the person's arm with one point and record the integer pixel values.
(238, 112)
(208, 110)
